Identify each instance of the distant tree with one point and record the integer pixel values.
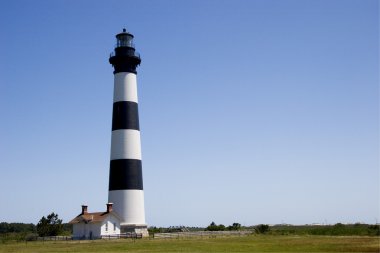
(214, 227)
(262, 229)
(234, 226)
(221, 227)
(49, 226)
(211, 227)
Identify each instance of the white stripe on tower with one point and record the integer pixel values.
(125, 144)
(126, 184)
(125, 87)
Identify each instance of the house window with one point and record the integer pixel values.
(114, 226)
(107, 226)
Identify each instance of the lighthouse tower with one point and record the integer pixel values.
(126, 181)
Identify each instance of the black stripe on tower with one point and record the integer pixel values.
(125, 174)
(125, 115)
(125, 60)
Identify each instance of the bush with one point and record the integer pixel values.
(214, 227)
(374, 229)
(235, 226)
(31, 237)
(262, 229)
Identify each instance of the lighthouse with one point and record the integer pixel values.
(125, 177)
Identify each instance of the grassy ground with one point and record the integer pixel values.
(264, 243)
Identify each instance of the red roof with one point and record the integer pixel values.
(90, 217)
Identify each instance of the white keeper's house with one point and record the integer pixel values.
(96, 225)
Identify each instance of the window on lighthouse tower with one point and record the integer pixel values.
(125, 40)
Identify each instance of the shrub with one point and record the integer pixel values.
(262, 229)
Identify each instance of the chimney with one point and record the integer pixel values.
(109, 207)
(84, 209)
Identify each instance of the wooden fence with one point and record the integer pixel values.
(125, 235)
(52, 238)
(200, 234)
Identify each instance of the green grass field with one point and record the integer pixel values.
(265, 243)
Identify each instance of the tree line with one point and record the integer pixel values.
(338, 229)
(50, 225)
(17, 227)
(259, 229)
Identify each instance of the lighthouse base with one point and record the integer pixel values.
(137, 229)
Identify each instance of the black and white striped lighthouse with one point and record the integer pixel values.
(126, 181)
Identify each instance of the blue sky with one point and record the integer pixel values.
(250, 111)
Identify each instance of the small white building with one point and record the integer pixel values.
(96, 225)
